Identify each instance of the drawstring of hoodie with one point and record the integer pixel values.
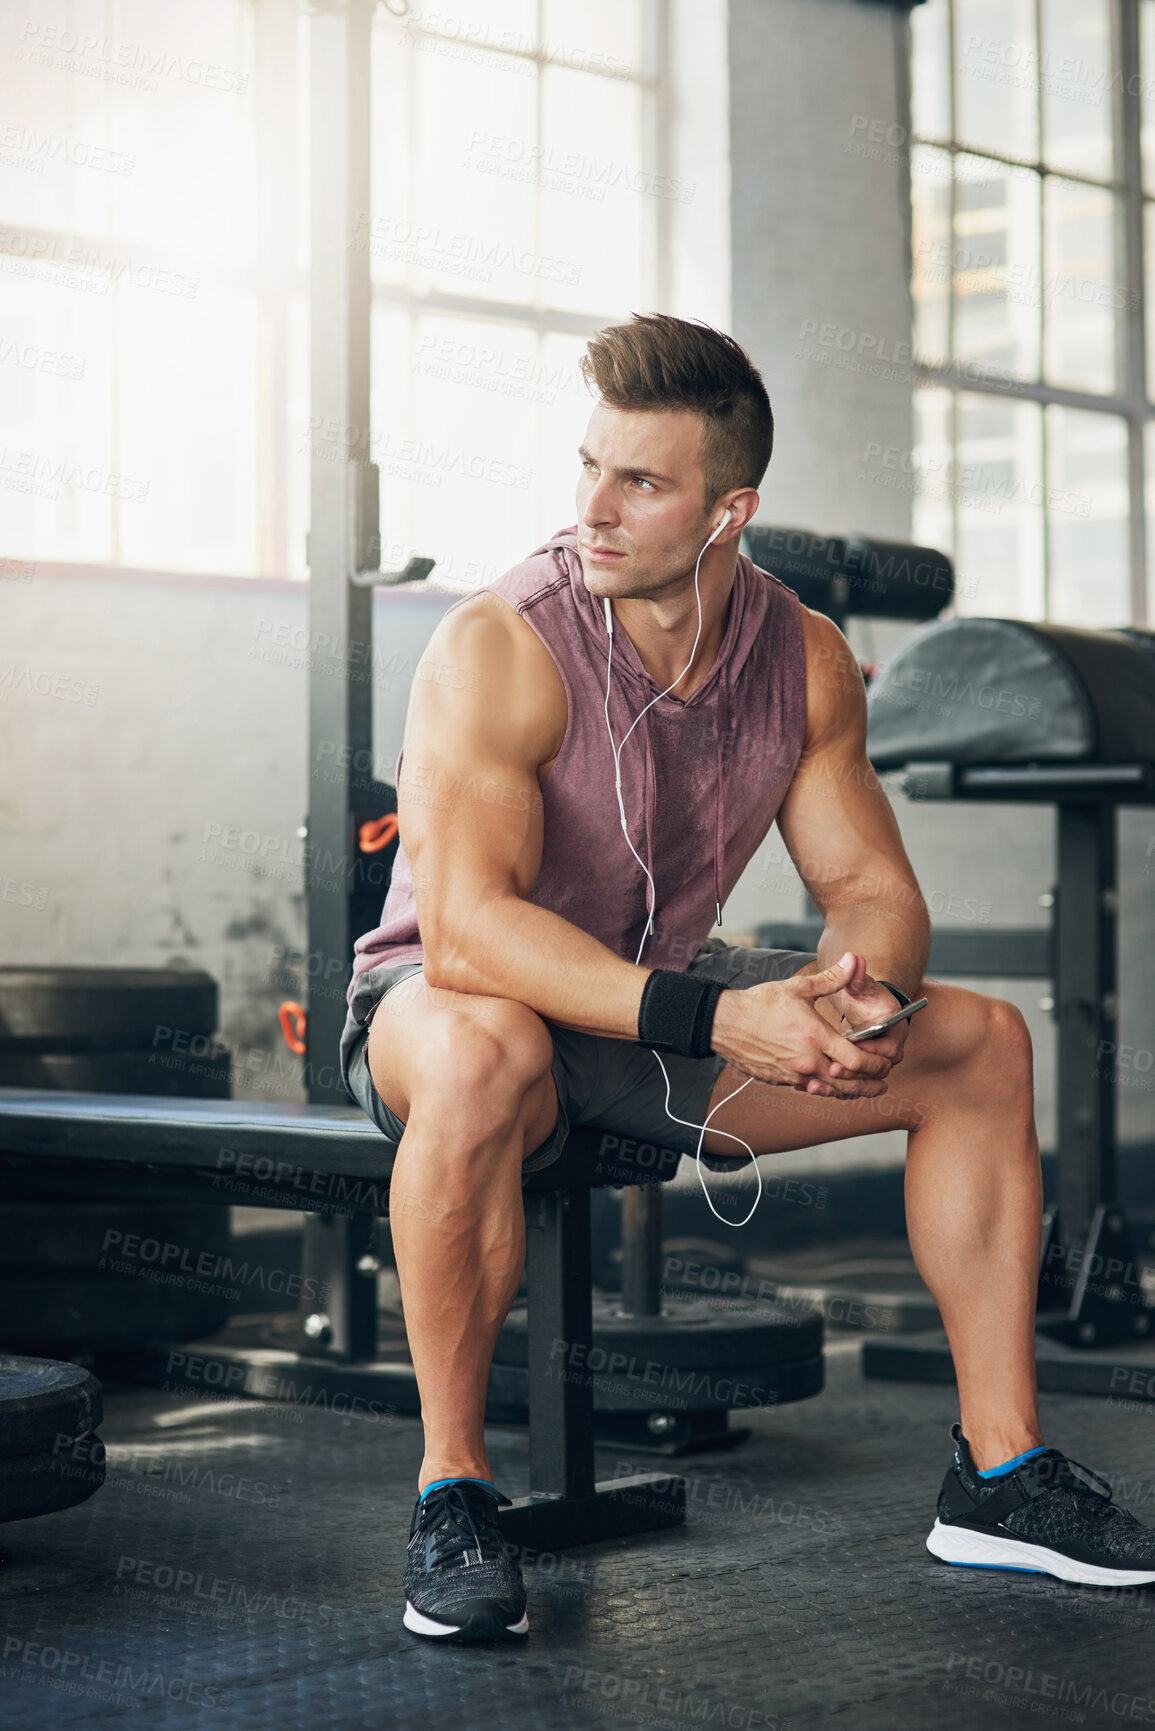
(720, 795)
(650, 801)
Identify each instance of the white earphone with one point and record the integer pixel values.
(727, 517)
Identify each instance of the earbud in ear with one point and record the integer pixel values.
(726, 516)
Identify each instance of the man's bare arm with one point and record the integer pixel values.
(487, 712)
(840, 830)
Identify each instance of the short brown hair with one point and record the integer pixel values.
(660, 362)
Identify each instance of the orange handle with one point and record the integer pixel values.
(377, 833)
(292, 1019)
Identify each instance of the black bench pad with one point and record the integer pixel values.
(290, 1156)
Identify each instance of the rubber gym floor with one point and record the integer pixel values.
(242, 1566)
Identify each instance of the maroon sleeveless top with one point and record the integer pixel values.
(702, 779)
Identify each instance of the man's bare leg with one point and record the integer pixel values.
(470, 1078)
(964, 1091)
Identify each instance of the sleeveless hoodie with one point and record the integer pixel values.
(702, 778)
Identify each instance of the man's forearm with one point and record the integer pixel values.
(893, 934)
(514, 949)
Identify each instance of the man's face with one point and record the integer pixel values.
(640, 500)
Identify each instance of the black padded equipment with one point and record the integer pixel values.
(842, 574)
(158, 1071)
(41, 1400)
(42, 1238)
(42, 1484)
(1004, 691)
(103, 1009)
(689, 1334)
(63, 1313)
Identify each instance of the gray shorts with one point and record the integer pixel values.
(613, 1085)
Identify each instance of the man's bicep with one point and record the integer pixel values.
(468, 798)
(836, 820)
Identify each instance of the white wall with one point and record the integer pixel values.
(150, 808)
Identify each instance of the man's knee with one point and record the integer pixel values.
(1003, 1053)
(483, 1052)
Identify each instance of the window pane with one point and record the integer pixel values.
(599, 203)
(930, 172)
(297, 440)
(999, 482)
(1076, 86)
(996, 268)
(930, 70)
(189, 127)
(55, 167)
(1080, 294)
(466, 223)
(1149, 305)
(1147, 91)
(456, 450)
(473, 25)
(133, 123)
(1087, 509)
(996, 60)
(57, 469)
(598, 34)
(567, 406)
(187, 429)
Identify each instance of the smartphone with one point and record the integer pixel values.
(881, 1027)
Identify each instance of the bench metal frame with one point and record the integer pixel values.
(333, 1161)
(1089, 1230)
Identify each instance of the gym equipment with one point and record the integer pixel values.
(332, 1158)
(990, 709)
(67, 1285)
(128, 1030)
(841, 575)
(102, 1009)
(50, 1455)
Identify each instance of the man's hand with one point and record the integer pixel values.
(777, 1032)
(865, 1000)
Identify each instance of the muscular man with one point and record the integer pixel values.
(534, 957)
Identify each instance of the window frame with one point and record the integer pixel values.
(279, 282)
(1129, 401)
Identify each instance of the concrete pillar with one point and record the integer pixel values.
(820, 219)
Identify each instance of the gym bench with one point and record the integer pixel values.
(332, 1160)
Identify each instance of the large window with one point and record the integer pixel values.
(520, 201)
(1031, 169)
(154, 406)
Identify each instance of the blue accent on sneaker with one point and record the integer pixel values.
(1003, 1568)
(460, 1481)
(1009, 1466)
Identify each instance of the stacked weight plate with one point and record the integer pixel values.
(85, 1276)
(50, 1454)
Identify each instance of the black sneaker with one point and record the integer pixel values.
(1042, 1518)
(460, 1582)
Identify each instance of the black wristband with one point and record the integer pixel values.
(897, 992)
(676, 1013)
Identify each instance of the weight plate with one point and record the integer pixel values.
(161, 1071)
(104, 1009)
(689, 1334)
(74, 1315)
(39, 1238)
(41, 1400)
(40, 1484)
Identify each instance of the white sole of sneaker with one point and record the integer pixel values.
(991, 1551)
(421, 1625)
